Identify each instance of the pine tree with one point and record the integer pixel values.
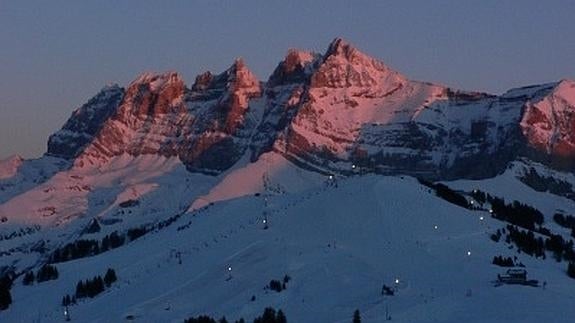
(47, 272)
(5, 296)
(356, 317)
(571, 270)
(80, 289)
(66, 300)
(28, 278)
(110, 277)
(280, 317)
(269, 316)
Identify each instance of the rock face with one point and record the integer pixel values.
(205, 126)
(146, 121)
(224, 119)
(324, 112)
(84, 124)
(548, 124)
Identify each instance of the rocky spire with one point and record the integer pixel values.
(296, 67)
(344, 66)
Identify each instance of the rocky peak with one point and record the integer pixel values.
(85, 122)
(338, 47)
(237, 78)
(155, 81)
(344, 66)
(241, 78)
(565, 90)
(203, 81)
(295, 68)
(241, 86)
(548, 121)
(152, 94)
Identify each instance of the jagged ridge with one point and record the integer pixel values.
(325, 112)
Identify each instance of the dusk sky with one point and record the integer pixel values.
(55, 55)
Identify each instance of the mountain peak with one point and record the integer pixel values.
(239, 63)
(548, 120)
(112, 86)
(239, 76)
(566, 89)
(295, 68)
(157, 81)
(339, 46)
(345, 66)
(85, 122)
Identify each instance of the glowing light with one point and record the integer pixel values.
(471, 202)
(435, 227)
(481, 218)
(353, 166)
(230, 268)
(265, 221)
(397, 280)
(469, 253)
(490, 210)
(330, 176)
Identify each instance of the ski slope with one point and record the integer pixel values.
(338, 243)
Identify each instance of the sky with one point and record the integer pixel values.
(55, 55)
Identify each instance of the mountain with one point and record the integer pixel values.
(325, 112)
(158, 115)
(337, 171)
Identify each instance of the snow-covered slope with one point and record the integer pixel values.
(338, 243)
